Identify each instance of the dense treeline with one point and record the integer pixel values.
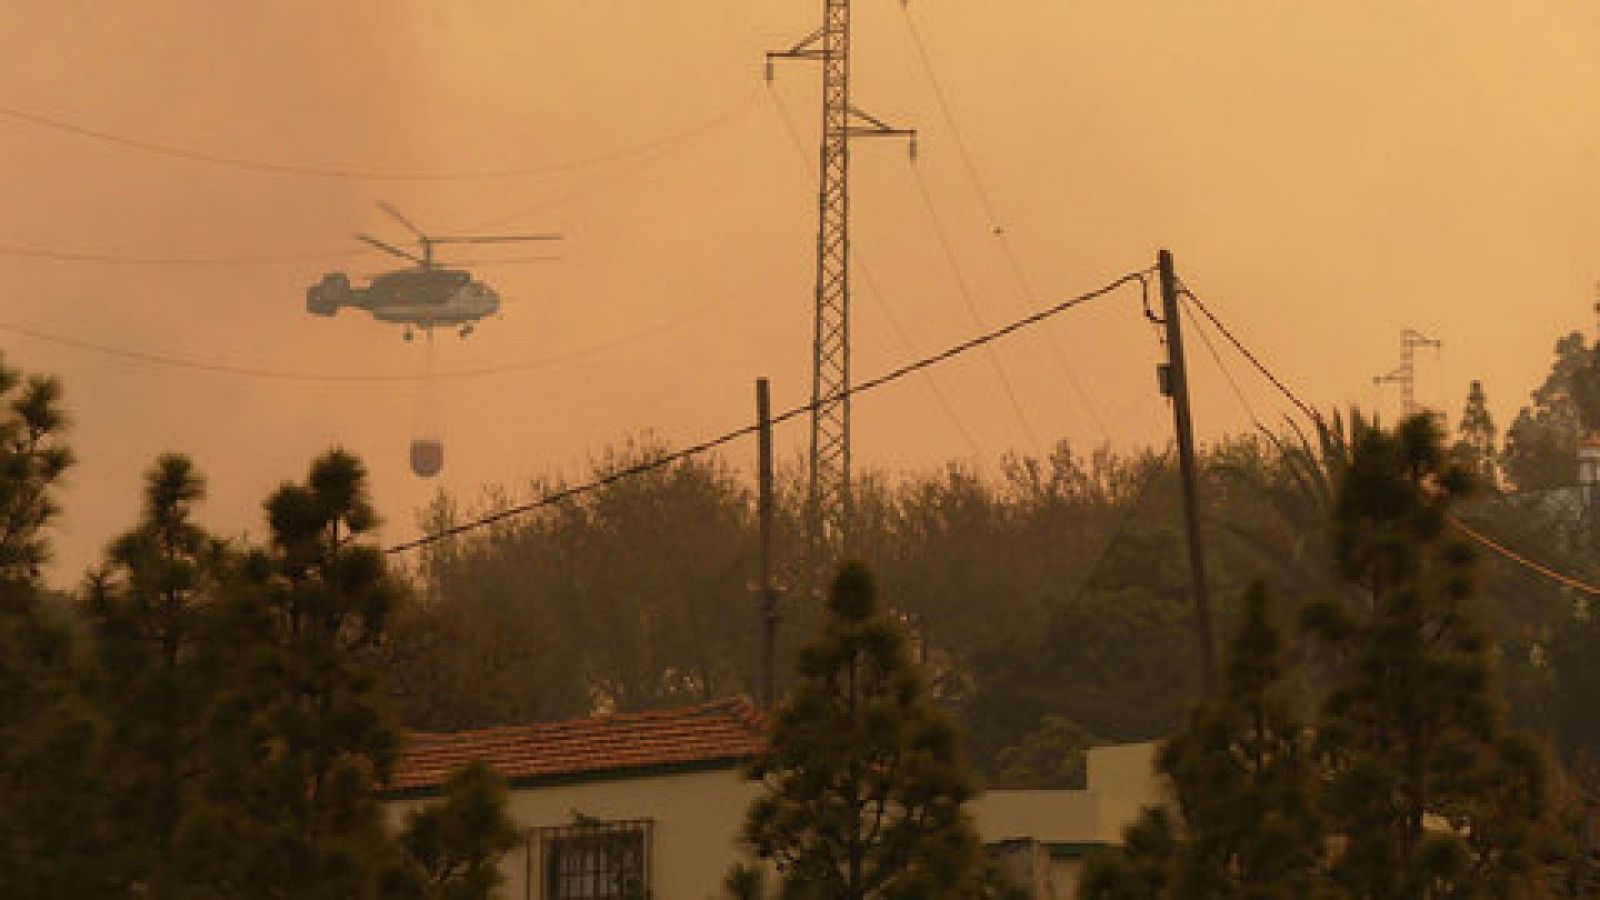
(1048, 598)
(640, 595)
(207, 719)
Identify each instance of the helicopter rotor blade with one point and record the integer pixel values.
(507, 261)
(390, 249)
(388, 207)
(498, 239)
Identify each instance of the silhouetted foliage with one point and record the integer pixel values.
(1476, 448)
(451, 850)
(155, 669)
(1412, 727)
(864, 782)
(221, 731)
(303, 735)
(50, 839)
(1542, 443)
(632, 597)
(1054, 756)
(1055, 589)
(1245, 820)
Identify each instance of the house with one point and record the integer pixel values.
(657, 798)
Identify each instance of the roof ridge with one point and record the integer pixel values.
(738, 706)
(722, 730)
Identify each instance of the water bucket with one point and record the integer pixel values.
(427, 456)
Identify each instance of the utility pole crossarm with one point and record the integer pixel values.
(865, 124)
(809, 47)
(1395, 377)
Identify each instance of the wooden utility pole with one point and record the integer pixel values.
(1175, 384)
(769, 594)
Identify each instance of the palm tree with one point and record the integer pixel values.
(1298, 482)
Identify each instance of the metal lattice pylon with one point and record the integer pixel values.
(1405, 374)
(828, 489)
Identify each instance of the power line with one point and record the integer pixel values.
(1058, 353)
(1481, 539)
(200, 259)
(1244, 351)
(645, 161)
(222, 368)
(1233, 383)
(905, 341)
(1519, 559)
(972, 305)
(121, 259)
(360, 173)
(947, 111)
(94, 256)
(1008, 252)
(668, 459)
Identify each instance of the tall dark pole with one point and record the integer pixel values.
(1176, 385)
(769, 594)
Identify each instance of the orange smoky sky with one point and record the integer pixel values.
(1326, 174)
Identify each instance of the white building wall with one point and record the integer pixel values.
(696, 819)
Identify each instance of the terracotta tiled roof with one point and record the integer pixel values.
(722, 731)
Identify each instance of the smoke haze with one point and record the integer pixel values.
(1326, 175)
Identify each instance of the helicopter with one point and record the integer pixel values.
(428, 296)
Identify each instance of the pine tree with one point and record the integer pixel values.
(865, 782)
(154, 669)
(303, 736)
(1243, 779)
(1475, 449)
(452, 850)
(1428, 792)
(49, 808)
(1244, 822)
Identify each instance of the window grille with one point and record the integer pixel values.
(595, 860)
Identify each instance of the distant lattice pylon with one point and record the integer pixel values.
(1405, 374)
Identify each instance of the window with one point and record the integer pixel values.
(596, 861)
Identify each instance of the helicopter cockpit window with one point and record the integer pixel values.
(432, 287)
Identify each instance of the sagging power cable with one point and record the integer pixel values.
(947, 249)
(1250, 357)
(1471, 533)
(361, 173)
(996, 228)
(1227, 373)
(669, 459)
